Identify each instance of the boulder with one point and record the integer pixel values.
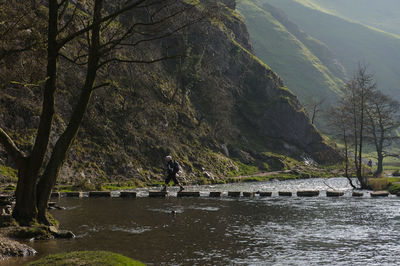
(64, 234)
(12, 248)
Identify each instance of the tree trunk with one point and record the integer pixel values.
(25, 208)
(379, 169)
(49, 178)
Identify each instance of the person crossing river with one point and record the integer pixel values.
(172, 170)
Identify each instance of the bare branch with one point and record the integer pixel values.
(72, 36)
(11, 149)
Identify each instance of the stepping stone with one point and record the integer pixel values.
(307, 193)
(215, 194)
(285, 193)
(127, 194)
(100, 194)
(248, 194)
(357, 194)
(74, 194)
(334, 193)
(55, 195)
(188, 194)
(265, 194)
(379, 194)
(158, 194)
(234, 194)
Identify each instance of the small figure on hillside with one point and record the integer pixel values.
(370, 163)
(172, 170)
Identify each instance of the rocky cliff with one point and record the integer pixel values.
(219, 109)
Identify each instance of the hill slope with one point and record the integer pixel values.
(227, 112)
(306, 65)
(350, 41)
(382, 14)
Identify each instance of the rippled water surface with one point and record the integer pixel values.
(226, 231)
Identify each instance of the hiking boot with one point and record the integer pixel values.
(181, 189)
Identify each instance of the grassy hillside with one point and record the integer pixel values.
(352, 42)
(382, 14)
(219, 110)
(305, 64)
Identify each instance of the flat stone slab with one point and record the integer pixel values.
(74, 194)
(285, 193)
(333, 193)
(158, 194)
(100, 194)
(55, 195)
(376, 194)
(234, 193)
(188, 194)
(128, 194)
(215, 194)
(357, 194)
(307, 193)
(248, 194)
(265, 194)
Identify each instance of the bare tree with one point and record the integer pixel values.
(314, 106)
(98, 30)
(340, 123)
(383, 120)
(356, 94)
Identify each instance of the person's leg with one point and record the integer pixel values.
(177, 182)
(167, 180)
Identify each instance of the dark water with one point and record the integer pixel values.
(258, 231)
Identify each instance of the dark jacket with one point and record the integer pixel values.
(173, 167)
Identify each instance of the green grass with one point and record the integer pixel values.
(351, 42)
(7, 174)
(382, 14)
(89, 258)
(302, 62)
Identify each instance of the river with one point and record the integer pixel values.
(236, 231)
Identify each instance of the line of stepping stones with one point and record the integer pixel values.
(216, 194)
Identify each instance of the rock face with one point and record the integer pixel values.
(12, 248)
(223, 97)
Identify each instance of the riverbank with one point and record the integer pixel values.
(87, 258)
(12, 248)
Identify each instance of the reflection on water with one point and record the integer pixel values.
(258, 231)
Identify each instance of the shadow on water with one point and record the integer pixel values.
(207, 231)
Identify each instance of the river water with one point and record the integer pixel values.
(236, 231)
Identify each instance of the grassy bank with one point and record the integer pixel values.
(392, 184)
(87, 258)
